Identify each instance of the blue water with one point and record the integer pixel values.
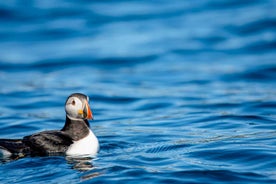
(182, 91)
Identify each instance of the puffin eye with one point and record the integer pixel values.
(73, 102)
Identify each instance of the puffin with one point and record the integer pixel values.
(74, 139)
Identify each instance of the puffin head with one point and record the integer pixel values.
(77, 107)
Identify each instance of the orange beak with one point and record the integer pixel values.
(88, 111)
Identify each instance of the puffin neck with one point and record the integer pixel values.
(76, 128)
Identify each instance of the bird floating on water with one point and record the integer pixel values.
(74, 139)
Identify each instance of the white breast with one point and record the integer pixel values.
(89, 145)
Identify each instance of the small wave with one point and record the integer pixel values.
(254, 27)
(206, 176)
(164, 148)
(259, 74)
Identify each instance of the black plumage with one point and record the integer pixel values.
(53, 142)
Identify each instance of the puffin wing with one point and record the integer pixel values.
(48, 142)
(13, 146)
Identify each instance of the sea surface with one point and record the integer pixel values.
(181, 91)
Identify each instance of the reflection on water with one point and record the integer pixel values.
(80, 163)
(84, 164)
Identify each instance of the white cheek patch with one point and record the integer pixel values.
(73, 110)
